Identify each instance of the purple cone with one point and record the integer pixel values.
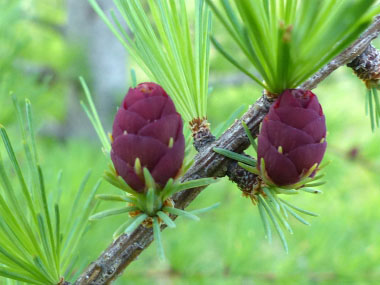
(292, 137)
(147, 126)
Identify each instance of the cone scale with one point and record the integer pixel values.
(147, 132)
(292, 140)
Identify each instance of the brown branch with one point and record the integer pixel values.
(126, 248)
(348, 55)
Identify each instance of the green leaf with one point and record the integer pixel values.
(116, 198)
(299, 209)
(59, 186)
(15, 248)
(92, 114)
(15, 262)
(77, 198)
(249, 135)
(298, 217)
(157, 237)
(119, 183)
(315, 184)
(167, 220)
(121, 229)
(235, 156)
(16, 219)
(376, 112)
(275, 223)
(20, 277)
(133, 78)
(179, 212)
(12, 239)
(167, 190)
(311, 190)
(29, 120)
(271, 198)
(274, 205)
(265, 222)
(135, 223)
(47, 221)
(367, 95)
(79, 226)
(17, 168)
(194, 184)
(30, 223)
(149, 180)
(252, 169)
(19, 222)
(57, 235)
(204, 210)
(47, 247)
(41, 267)
(150, 200)
(112, 212)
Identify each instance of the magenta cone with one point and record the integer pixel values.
(292, 137)
(147, 126)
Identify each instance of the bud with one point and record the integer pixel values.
(292, 139)
(147, 132)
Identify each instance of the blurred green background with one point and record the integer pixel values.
(45, 45)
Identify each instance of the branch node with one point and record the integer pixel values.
(245, 180)
(200, 129)
(367, 65)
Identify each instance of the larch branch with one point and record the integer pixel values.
(126, 248)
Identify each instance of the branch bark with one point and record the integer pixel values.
(348, 55)
(126, 248)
